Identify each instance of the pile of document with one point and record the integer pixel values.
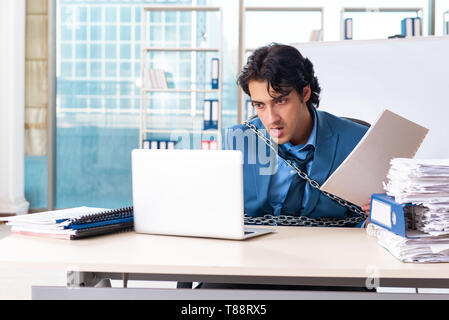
(418, 250)
(422, 182)
(73, 223)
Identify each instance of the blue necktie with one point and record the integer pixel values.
(292, 205)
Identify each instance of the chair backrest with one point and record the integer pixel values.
(358, 121)
(364, 123)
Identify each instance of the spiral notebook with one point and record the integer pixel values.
(73, 223)
(103, 222)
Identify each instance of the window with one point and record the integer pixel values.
(98, 60)
(98, 74)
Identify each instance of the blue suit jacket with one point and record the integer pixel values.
(335, 139)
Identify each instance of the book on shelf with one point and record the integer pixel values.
(169, 80)
(417, 27)
(72, 223)
(316, 35)
(348, 29)
(155, 79)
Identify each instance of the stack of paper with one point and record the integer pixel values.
(419, 250)
(50, 223)
(423, 182)
(74, 223)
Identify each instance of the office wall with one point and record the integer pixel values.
(12, 66)
(408, 76)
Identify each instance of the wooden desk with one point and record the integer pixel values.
(291, 255)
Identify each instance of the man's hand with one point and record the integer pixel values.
(367, 208)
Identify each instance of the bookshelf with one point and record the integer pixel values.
(242, 107)
(191, 93)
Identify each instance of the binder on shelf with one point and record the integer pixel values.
(213, 145)
(210, 114)
(417, 27)
(407, 27)
(204, 145)
(158, 144)
(209, 145)
(395, 217)
(169, 80)
(214, 114)
(215, 70)
(348, 29)
(207, 114)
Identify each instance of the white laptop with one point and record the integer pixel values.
(190, 193)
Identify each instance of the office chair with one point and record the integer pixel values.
(364, 123)
(358, 121)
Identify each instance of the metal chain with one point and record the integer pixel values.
(302, 220)
(285, 220)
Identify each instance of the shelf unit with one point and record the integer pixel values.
(193, 90)
(243, 50)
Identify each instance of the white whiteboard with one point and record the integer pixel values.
(408, 76)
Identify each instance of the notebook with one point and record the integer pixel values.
(72, 223)
(190, 193)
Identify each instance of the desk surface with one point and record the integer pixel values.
(289, 252)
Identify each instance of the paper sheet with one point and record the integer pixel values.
(421, 250)
(363, 171)
(51, 217)
(423, 182)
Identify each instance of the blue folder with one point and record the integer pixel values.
(215, 73)
(395, 217)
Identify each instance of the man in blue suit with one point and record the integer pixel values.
(284, 92)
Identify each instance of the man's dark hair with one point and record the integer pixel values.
(284, 69)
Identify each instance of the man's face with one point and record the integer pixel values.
(284, 117)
